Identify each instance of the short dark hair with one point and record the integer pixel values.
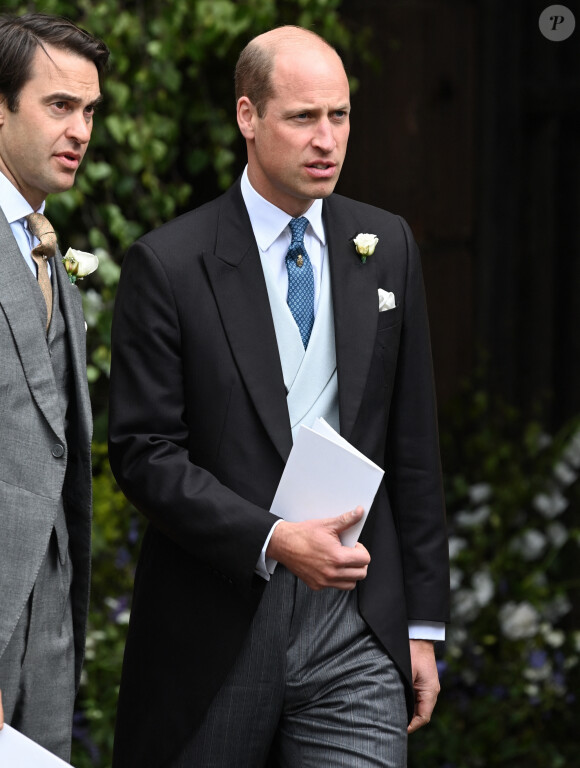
(21, 36)
(253, 77)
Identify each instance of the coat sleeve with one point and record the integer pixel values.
(149, 430)
(414, 473)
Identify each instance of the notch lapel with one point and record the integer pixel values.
(356, 308)
(238, 282)
(26, 327)
(71, 305)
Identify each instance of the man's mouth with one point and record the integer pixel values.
(321, 170)
(69, 159)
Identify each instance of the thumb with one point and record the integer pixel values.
(347, 519)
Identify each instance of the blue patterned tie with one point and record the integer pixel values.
(300, 280)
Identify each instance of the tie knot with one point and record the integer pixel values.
(298, 228)
(42, 229)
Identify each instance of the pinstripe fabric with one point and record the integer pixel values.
(37, 667)
(311, 688)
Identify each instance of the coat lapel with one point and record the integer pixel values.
(237, 279)
(72, 308)
(26, 327)
(354, 291)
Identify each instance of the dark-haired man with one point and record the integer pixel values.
(49, 87)
(235, 325)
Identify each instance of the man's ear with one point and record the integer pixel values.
(3, 108)
(246, 115)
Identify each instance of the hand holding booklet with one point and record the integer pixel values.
(324, 477)
(18, 751)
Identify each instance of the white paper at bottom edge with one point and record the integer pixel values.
(18, 751)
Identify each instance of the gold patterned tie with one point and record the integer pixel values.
(42, 229)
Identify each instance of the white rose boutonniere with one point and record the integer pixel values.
(79, 264)
(365, 245)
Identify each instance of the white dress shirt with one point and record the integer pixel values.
(272, 233)
(16, 208)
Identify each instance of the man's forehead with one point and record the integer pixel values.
(316, 71)
(60, 72)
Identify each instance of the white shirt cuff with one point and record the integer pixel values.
(266, 566)
(426, 630)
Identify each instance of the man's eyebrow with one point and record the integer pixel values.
(63, 96)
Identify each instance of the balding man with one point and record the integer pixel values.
(255, 641)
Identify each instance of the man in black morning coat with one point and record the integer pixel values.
(253, 641)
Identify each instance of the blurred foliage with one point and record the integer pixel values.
(165, 140)
(116, 538)
(510, 671)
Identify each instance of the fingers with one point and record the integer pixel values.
(417, 722)
(312, 551)
(346, 520)
(425, 682)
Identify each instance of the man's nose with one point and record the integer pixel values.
(324, 136)
(79, 129)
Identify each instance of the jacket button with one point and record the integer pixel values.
(57, 451)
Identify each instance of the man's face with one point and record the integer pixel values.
(44, 141)
(296, 150)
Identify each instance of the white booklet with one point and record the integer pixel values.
(324, 477)
(18, 751)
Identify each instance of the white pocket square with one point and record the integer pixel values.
(386, 300)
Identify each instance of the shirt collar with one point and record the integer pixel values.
(268, 221)
(13, 204)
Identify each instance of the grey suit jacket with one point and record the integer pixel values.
(35, 472)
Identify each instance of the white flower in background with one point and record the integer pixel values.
(455, 639)
(564, 473)
(544, 440)
(468, 676)
(456, 545)
(555, 609)
(93, 638)
(532, 690)
(92, 306)
(519, 620)
(465, 605)
(123, 617)
(538, 674)
(479, 493)
(550, 505)
(483, 587)
(473, 519)
(554, 637)
(557, 534)
(530, 545)
(455, 578)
